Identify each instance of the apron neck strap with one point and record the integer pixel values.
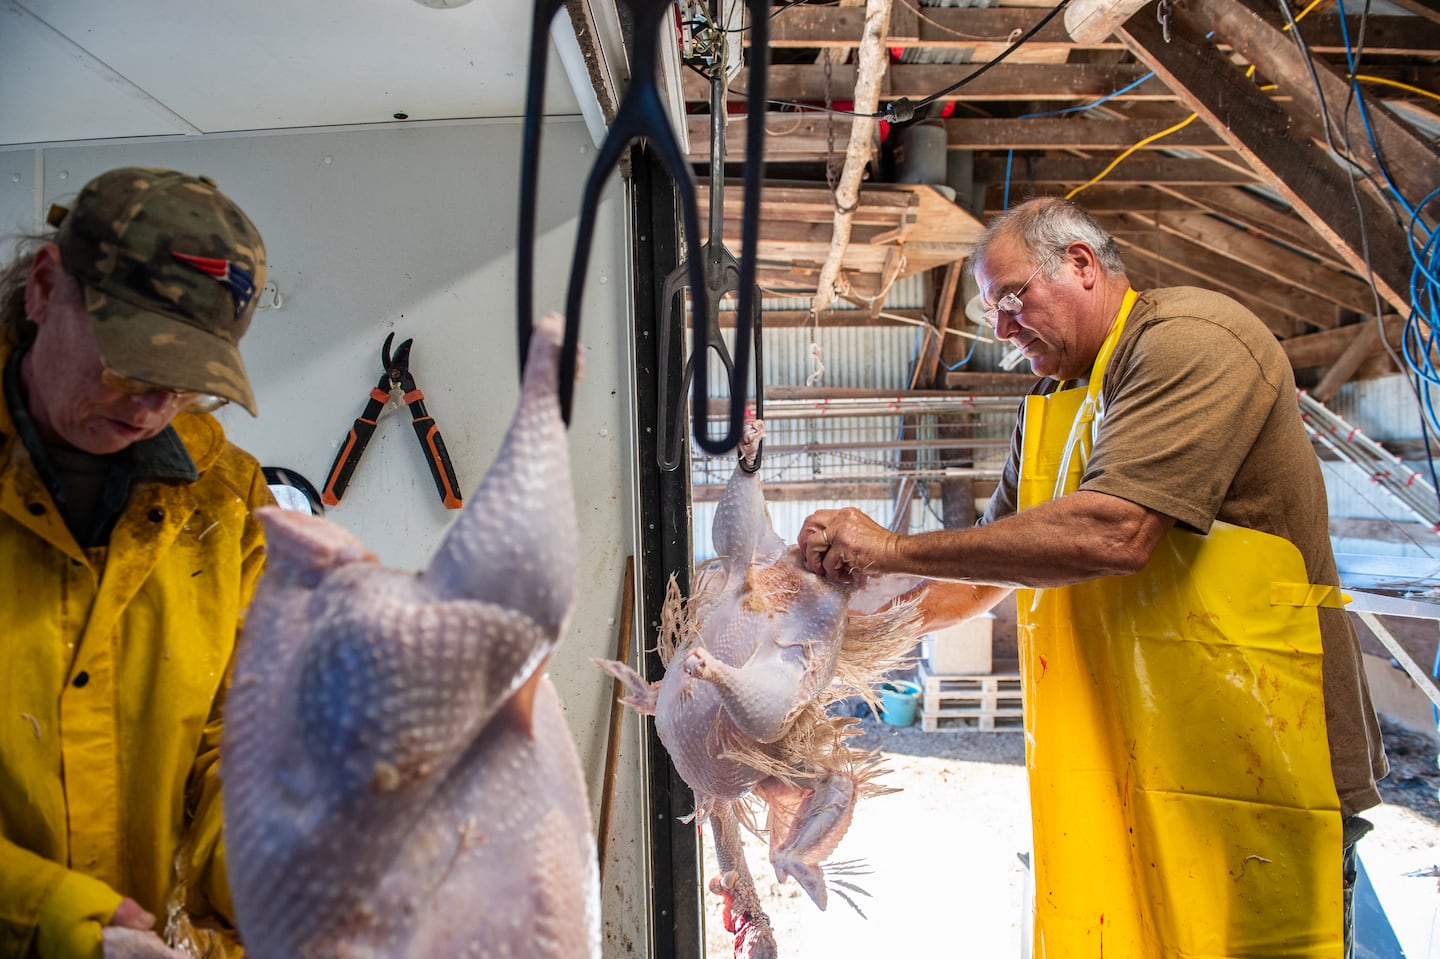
(1102, 359)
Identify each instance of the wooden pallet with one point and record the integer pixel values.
(979, 724)
(983, 703)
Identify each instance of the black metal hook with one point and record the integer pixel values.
(722, 278)
(641, 114)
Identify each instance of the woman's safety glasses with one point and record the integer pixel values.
(188, 400)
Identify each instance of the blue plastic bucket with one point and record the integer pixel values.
(898, 702)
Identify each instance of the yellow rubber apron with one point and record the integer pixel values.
(1181, 791)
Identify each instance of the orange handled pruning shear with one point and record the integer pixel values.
(396, 376)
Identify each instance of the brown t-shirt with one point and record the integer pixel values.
(1199, 421)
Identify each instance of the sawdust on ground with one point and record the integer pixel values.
(946, 877)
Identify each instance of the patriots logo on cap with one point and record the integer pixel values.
(233, 277)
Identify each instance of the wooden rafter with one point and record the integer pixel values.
(1259, 129)
(1268, 258)
(1073, 133)
(1137, 171)
(1412, 159)
(1019, 82)
(1325, 348)
(986, 31)
(1258, 216)
(1365, 341)
(1160, 269)
(1272, 296)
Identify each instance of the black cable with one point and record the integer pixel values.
(902, 110)
(898, 106)
(778, 10)
(1351, 167)
(796, 104)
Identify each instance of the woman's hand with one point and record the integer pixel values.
(129, 935)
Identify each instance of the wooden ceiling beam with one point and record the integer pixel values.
(1232, 277)
(1074, 133)
(792, 138)
(809, 137)
(1182, 271)
(1364, 341)
(1025, 82)
(1268, 258)
(990, 384)
(1260, 130)
(1091, 21)
(1136, 171)
(801, 231)
(904, 28)
(1126, 199)
(1412, 160)
(986, 31)
(1260, 216)
(1324, 348)
(812, 203)
(942, 28)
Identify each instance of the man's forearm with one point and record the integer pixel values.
(1079, 537)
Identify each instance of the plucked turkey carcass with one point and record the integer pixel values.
(399, 779)
(753, 659)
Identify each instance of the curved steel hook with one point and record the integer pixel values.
(641, 114)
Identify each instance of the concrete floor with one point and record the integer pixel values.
(945, 875)
(946, 880)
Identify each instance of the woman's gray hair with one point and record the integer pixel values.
(15, 326)
(1046, 226)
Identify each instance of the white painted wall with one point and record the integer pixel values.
(413, 230)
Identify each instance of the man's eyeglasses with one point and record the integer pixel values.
(188, 400)
(1010, 303)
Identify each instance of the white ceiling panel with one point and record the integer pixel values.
(93, 69)
(50, 88)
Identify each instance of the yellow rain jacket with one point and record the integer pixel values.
(115, 659)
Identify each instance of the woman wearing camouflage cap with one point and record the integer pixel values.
(128, 551)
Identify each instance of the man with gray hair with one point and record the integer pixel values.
(128, 551)
(1200, 735)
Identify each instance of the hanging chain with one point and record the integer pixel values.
(1164, 11)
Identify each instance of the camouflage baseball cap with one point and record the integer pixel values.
(170, 268)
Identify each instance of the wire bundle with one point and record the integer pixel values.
(1419, 347)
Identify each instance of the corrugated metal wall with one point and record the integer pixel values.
(881, 358)
(786, 518)
(872, 357)
(864, 357)
(1384, 408)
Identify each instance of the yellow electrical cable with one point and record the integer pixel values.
(1301, 15)
(1395, 83)
(1116, 162)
